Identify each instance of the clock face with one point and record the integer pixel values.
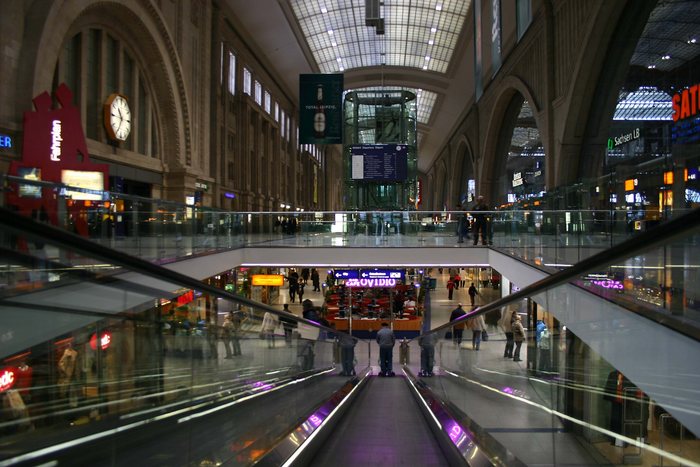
(119, 118)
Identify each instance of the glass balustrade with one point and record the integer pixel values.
(98, 362)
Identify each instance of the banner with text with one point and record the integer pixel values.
(321, 109)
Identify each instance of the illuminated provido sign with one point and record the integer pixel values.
(7, 379)
(274, 280)
(370, 283)
(56, 139)
(686, 103)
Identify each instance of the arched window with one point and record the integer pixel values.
(107, 67)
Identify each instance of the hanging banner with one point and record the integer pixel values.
(321, 109)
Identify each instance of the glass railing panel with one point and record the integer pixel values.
(97, 349)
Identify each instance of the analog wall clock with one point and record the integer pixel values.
(117, 117)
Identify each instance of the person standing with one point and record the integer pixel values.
(237, 319)
(288, 325)
(316, 280)
(506, 323)
(293, 285)
(480, 221)
(450, 288)
(386, 341)
(457, 280)
(458, 328)
(427, 353)
(226, 331)
(269, 324)
(518, 336)
(347, 353)
(478, 326)
(462, 225)
(472, 294)
(543, 345)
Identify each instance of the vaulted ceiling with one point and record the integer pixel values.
(423, 47)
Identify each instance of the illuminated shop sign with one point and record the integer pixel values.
(7, 379)
(381, 274)
(229, 195)
(370, 283)
(349, 274)
(83, 179)
(105, 340)
(616, 141)
(608, 284)
(5, 141)
(686, 103)
(56, 140)
(274, 280)
(517, 179)
(201, 186)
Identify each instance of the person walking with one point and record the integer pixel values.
(457, 280)
(458, 328)
(478, 326)
(288, 325)
(269, 324)
(386, 341)
(300, 291)
(472, 294)
(518, 336)
(450, 288)
(237, 319)
(226, 329)
(427, 353)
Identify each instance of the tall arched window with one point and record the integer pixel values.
(107, 67)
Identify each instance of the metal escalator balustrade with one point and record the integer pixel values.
(102, 364)
(605, 384)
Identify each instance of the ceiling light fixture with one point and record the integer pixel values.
(438, 7)
(666, 57)
(433, 30)
(330, 32)
(692, 40)
(334, 44)
(425, 67)
(324, 10)
(427, 58)
(651, 67)
(431, 42)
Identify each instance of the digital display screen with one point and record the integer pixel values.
(379, 162)
(29, 191)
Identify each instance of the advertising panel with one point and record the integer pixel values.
(321, 109)
(274, 280)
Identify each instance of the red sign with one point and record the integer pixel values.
(686, 103)
(105, 340)
(53, 143)
(7, 378)
(185, 298)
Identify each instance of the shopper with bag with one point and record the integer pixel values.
(478, 326)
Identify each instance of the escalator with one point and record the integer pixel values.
(384, 426)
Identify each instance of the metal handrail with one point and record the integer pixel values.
(13, 221)
(662, 233)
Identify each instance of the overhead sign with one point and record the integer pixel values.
(7, 378)
(274, 280)
(348, 274)
(616, 141)
(379, 162)
(370, 283)
(381, 274)
(321, 109)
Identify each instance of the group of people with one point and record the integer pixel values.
(480, 225)
(297, 283)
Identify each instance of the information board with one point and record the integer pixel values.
(347, 274)
(381, 274)
(379, 162)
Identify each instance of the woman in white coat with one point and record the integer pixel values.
(477, 325)
(269, 324)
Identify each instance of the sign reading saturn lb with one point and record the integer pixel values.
(274, 280)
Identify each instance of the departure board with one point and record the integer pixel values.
(379, 162)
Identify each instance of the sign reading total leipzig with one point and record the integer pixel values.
(321, 109)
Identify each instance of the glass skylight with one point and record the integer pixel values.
(417, 33)
(646, 103)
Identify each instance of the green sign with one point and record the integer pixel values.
(321, 109)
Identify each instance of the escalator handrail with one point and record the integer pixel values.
(13, 221)
(660, 234)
